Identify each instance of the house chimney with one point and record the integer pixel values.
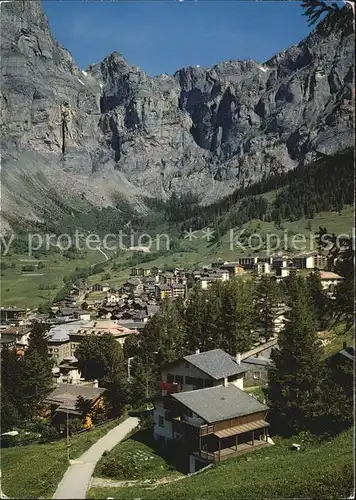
(197, 351)
(95, 383)
(238, 358)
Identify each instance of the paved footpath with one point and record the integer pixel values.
(76, 480)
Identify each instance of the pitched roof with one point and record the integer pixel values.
(66, 395)
(328, 275)
(261, 361)
(260, 348)
(216, 363)
(219, 403)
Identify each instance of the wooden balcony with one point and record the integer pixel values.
(234, 423)
(226, 453)
(216, 445)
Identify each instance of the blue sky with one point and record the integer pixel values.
(163, 36)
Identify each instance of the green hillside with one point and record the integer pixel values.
(316, 471)
(20, 289)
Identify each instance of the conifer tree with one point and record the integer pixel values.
(237, 316)
(267, 298)
(318, 299)
(341, 255)
(196, 318)
(338, 17)
(295, 378)
(38, 340)
(37, 380)
(12, 409)
(214, 314)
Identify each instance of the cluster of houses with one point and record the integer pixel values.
(173, 283)
(126, 310)
(202, 405)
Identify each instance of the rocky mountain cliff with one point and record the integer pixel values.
(87, 137)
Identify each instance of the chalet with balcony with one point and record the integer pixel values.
(203, 407)
(213, 424)
(200, 370)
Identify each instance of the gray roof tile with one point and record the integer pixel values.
(216, 363)
(219, 403)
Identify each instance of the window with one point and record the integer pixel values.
(256, 375)
(188, 413)
(160, 421)
(198, 383)
(178, 379)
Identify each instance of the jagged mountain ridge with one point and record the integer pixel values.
(85, 136)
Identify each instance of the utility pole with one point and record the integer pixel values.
(146, 382)
(68, 444)
(129, 368)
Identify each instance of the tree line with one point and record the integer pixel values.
(325, 184)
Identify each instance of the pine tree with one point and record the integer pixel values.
(318, 299)
(214, 299)
(337, 18)
(38, 340)
(340, 257)
(237, 316)
(267, 298)
(99, 358)
(196, 318)
(170, 332)
(295, 378)
(37, 380)
(12, 391)
(337, 399)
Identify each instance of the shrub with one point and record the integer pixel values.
(49, 433)
(75, 425)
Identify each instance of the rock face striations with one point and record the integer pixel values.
(114, 130)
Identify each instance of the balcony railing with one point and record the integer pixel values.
(206, 429)
(170, 388)
(209, 456)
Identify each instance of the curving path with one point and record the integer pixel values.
(76, 480)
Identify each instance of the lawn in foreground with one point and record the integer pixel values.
(134, 458)
(34, 471)
(316, 471)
